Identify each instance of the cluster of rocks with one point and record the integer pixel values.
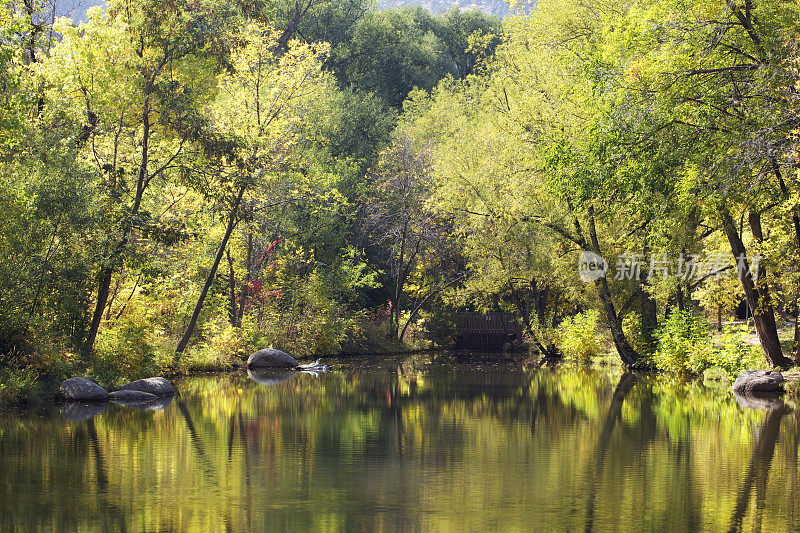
(268, 366)
(81, 389)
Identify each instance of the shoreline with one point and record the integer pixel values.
(45, 391)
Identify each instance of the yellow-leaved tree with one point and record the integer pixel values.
(132, 78)
(260, 107)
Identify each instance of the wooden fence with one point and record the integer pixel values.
(490, 331)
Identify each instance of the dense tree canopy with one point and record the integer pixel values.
(641, 132)
(217, 176)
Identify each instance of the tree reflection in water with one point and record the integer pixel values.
(760, 461)
(624, 386)
(418, 444)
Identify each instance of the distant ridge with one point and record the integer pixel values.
(76, 9)
(490, 7)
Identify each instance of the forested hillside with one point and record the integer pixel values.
(77, 8)
(185, 182)
(493, 7)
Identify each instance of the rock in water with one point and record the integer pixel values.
(157, 386)
(271, 358)
(130, 395)
(316, 368)
(83, 389)
(755, 381)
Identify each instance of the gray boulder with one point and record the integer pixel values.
(756, 381)
(155, 386)
(271, 358)
(130, 395)
(82, 389)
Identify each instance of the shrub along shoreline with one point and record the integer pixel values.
(687, 349)
(182, 183)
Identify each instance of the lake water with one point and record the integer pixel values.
(430, 443)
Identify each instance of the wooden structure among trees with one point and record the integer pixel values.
(487, 332)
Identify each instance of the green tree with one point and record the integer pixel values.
(717, 69)
(132, 77)
(261, 103)
(391, 52)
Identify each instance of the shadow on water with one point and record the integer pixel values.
(159, 404)
(418, 444)
(248, 502)
(197, 443)
(636, 437)
(623, 388)
(79, 412)
(235, 420)
(271, 377)
(760, 460)
(101, 468)
(99, 460)
(765, 402)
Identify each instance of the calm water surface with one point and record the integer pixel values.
(429, 443)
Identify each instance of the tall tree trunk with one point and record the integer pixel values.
(796, 347)
(796, 224)
(415, 310)
(107, 271)
(210, 278)
(232, 310)
(785, 192)
(757, 296)
(248, 278)
(40, 283)
(113, 296)
(398, 286)
(624, 349)
(649, 309)
(679, 299)
(103, 287)
(549, 351)
(301, 9)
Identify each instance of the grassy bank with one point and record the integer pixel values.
(685, 347)
(124, 356)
